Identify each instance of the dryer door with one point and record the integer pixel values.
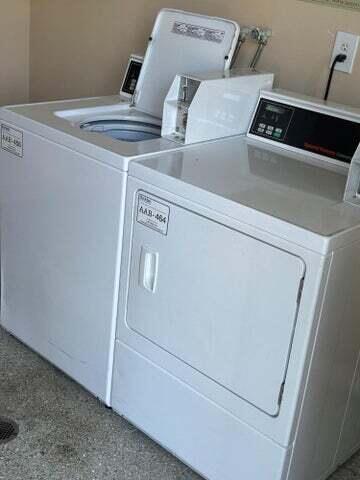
(220, 301)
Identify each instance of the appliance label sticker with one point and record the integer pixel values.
(152, 214)
(12, 140)
(196, 31)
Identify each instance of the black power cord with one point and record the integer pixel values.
(338, 59)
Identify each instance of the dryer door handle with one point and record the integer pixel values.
(149, 264)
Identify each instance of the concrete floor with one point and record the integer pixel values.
(66, 434)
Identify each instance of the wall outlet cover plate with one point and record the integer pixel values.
(345, 43)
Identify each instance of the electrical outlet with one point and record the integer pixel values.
(345, 43)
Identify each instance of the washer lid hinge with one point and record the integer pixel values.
(133, 99)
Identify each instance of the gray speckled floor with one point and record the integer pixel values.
(66, 434)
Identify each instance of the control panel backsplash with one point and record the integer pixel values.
(309, 130)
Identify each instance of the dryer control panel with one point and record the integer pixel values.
(318, 130)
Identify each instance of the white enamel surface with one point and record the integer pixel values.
(61, 227)
(59, 122)
(224, 108)
(246, 180)
(287, 200)
(352, 190)
(210, 328)
(149, 383)
(163, 59)
(152, 381)
(279, 428)
(209, 439)
(350, 435)
(330, 402)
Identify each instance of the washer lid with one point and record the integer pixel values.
(182, 42)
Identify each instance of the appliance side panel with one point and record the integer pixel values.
(331, 370)
(350, 436)
(349, 441)
(60, 222)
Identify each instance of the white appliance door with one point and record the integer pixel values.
(220, 301)
(182, 42)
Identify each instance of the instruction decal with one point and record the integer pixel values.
(349, 4)
(199, 32)
(12, 140)
(152, 213)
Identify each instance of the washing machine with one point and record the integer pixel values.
(238, 337)
(63, 173)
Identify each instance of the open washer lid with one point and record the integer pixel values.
(182, 42)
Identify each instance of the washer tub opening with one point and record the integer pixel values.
(124, 130)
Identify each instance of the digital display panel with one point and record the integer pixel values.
(275, 108)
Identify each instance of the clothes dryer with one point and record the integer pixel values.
(238, 334)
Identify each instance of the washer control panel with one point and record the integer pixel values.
(132, 75)
(320, 130)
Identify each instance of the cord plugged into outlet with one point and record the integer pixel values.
(343, 56)
(345, 44)
(340, 58)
